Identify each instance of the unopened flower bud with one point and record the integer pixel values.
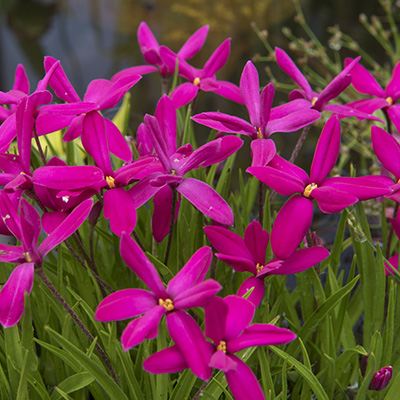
(94, 213)
(381, 378)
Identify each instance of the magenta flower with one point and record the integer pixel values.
(319, 101)
(151, 52)
(382, 99)
(173, 165)
(381, 379)
(201, 79)
(101, 94)
(26, 227)
(186, 290)
(331, 194)
(227, 325)
(248, 254)
(264, 120)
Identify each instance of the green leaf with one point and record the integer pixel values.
(102, 378)
(72, 384)
(22, 392)
(311, 379)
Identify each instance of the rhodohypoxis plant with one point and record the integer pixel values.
(173, 164)
(264, 120)
(332, 194)
(26, 227)
(186, 290)
(227, 324)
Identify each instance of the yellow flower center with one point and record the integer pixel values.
(173, 172)
(110, 182)
(259, 133)
(196, 81)
(259, 267)
(27, 256)
(167, 303)
(389, 100)
(314, 99)
(309, 188)
(222, 346)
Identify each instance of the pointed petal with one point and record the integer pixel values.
(12, 294)
(289, 67)
(206, 200)
(60, 83)
(240, 314)
(145, 327)
(189, 338)
(227, 242)
(116, 142)
(291, 225)
(194, 44)
(225, 123)
(239, 264)
(166, 117)
(136, 260)
(192, 273)
(123, 304)
(217, 59)
(256, 239)
(143, 191)
(229, 91)
(184, 94)
(332, 200)
(198, 295)
(289, 108)
(393, 87)
(262, 152)
(119, 208)
(292, 122)
(363, 81)
(166, 361)
(300, 260)
(260, 335)
(250, 91)
(327, 151)
(267, 97)
(243, 383)
(69, 178)
(387, 149)
(21, 81)
(281, 181)
(66, 228)
(215, 313)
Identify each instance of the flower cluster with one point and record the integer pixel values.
(164, 169)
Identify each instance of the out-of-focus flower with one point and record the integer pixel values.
(381, 379)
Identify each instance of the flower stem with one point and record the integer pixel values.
(39, 271)
(39, 146)
(261, 203)
(171, 226)
(299, 143)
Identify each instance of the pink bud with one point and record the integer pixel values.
(381, 379)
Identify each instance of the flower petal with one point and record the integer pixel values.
(166, 361)
(250, 91)
(257, 286)
(240, 314)
(256, 239)
(123, 304)
(198, 295)
(222, 361)
(12, 294)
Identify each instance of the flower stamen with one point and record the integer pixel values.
(110, 182)
(167, 303)
(27, 256)
(196, 81)
(314, 100)
(259, 133)
(259, 267)
(222, 346)
(309, 188)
